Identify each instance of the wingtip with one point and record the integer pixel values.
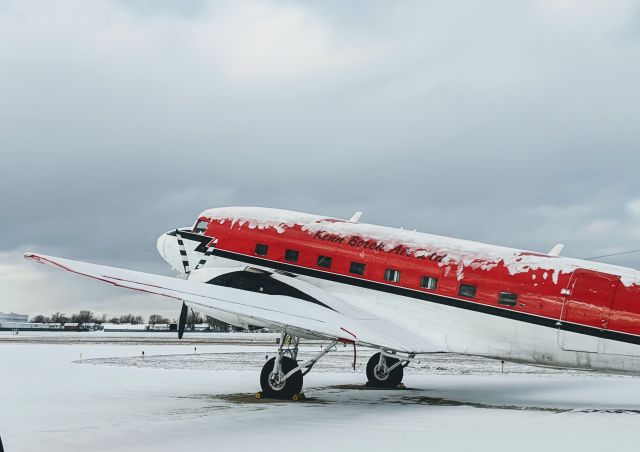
(32, 257)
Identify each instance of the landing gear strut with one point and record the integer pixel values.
(385, 371)
(281, 376)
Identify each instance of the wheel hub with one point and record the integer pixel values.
(381, 372)
(276, 381)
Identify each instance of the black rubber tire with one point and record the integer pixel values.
(292, 386)
(393, 379)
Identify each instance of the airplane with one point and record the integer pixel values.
(402, 293)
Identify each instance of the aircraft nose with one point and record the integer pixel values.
(167, 246)
(160, 244)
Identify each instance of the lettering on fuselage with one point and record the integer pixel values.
(333, 238)
(375, 245)
(357, 242)
(402, 250)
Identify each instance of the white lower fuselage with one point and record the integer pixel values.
(450, 329)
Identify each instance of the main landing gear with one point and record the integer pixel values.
(281, 376)
(384, 371)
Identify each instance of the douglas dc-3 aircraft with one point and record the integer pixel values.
(400, 292)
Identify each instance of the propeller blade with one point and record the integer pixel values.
(183, 320)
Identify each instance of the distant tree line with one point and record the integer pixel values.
(84, 316)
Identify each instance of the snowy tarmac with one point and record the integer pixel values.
(85, 394)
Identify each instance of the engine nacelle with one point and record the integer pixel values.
(207, 275)
(263, 282)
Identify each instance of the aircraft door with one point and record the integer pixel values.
(588, 299)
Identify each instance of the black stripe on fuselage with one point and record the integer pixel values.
(410, 293)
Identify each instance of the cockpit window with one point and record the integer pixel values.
(201, 227)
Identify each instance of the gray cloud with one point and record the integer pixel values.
(512, 123)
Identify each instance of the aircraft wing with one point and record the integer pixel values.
(337, 321)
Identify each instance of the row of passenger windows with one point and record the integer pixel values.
(356, 268)
(504, 298)
(391, 275)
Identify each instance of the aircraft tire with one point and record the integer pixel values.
(291, 387)
(391, 381)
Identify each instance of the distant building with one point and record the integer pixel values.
(92, 326)
(124, 327)
(201, 327)
(15, 318)
(159, 327)
(13, 321)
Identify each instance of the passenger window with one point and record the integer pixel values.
(429, 282)
(467, 290)
(291, 255)
(392, 275)
(201, 227)
(508, 299)
(324, 261)
(357, 268)
(261, 250)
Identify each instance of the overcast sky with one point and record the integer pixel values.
(515, 123)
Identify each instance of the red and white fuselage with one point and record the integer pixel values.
(441, 294)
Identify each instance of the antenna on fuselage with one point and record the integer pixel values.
(556, 250)
(355, 217)
(611, 255)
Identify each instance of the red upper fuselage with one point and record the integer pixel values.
(502, 281)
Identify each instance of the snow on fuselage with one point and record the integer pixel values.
(459, 296)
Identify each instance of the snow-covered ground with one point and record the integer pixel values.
(102, 395)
